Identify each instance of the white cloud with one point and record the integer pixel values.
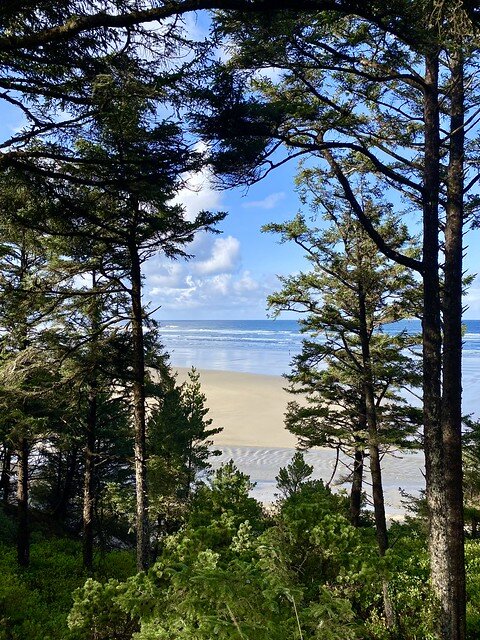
(270, 202)
(211, 295)
(212, 285)
(198, 194)
(221, 283)
(225, 257)
(274, 74)
(167, 274)
(246, 283)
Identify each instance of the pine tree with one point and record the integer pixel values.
(367, 92)
(180, 446)
(131, 166)
(351, 292)
(352, 378)
(27, 374)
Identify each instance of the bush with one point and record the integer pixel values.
(407, 569)
(224, 576)
(98, 612)
(228, 494)
(472, 561)
(35, 601)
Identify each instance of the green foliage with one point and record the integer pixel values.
(350, 372)
(7, 529)
(22, 613)
(34, 602)
(227, 495)
(225, 576)
(407, 566)
(98, 612)
(323, 548)
(303, 573)
(349, 283)
(180, 447)
(290, 478)
(472, 567)
(246, 588)
(117, 564)
(471, 478)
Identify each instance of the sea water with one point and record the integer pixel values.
(268, 347)
(248, 346)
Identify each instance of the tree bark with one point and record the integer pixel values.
(372, 430)
(23, 533)
(89, 479)
(88, 514)
(373, 449)
(432, 348)
(356, 488)
(65, 488)
(139, 416)
(6, 470)
(452, 352)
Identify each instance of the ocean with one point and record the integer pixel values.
(248, 346)
(267, 347)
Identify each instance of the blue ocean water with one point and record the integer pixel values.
(268, 346)
(248, 346)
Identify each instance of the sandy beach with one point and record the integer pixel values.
(250, 409)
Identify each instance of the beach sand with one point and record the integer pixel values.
(250, 408)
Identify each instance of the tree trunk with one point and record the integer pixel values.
(452, 354)
(372, 429)
(356, 488)
(89, 479)
(23, 533)
(373, 450)
(88, 513)
(65, 488)
(431, 329)
(142, 522)
(189, 478)
(57, 488)
(6, 470)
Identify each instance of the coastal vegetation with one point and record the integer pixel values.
(380, 101)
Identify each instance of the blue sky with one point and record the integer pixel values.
(232, 273)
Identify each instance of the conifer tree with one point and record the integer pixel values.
(180, 443)
(367, 91)
(346, 299)
(353, 376)
(131, 165)
(27, 374)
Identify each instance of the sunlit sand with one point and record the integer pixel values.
(250, 408)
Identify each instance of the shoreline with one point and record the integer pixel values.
(250, 408)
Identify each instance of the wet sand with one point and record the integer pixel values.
(250, 409)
